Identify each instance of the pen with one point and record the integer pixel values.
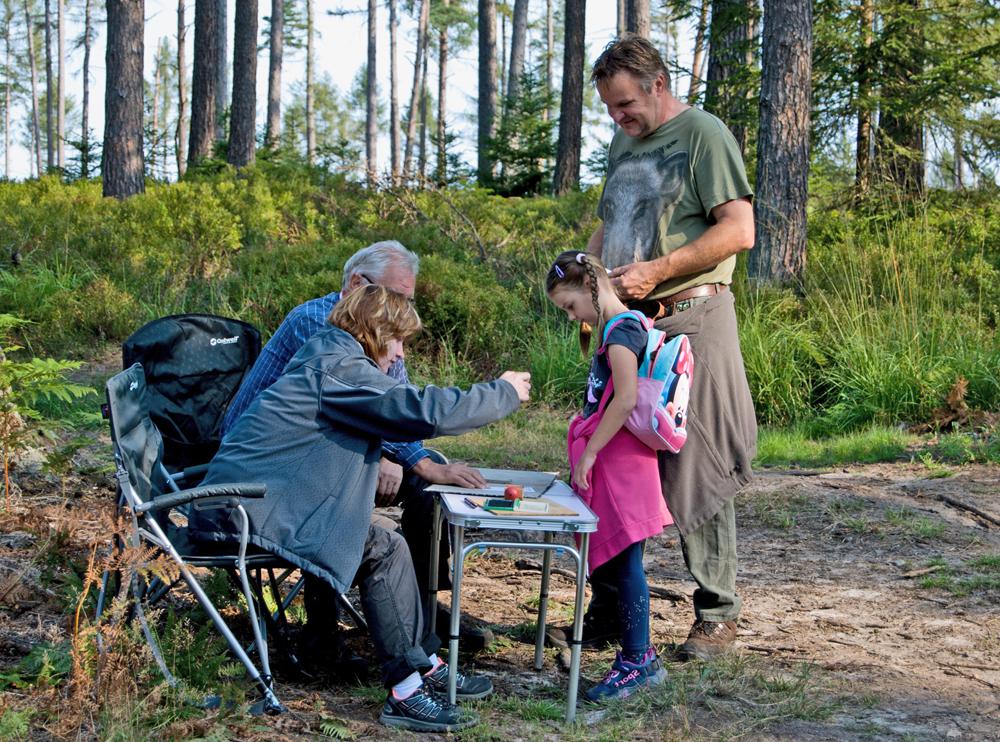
(471, 503)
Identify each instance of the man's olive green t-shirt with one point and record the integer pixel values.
(660, 191)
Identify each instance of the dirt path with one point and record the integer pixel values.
(871, 592)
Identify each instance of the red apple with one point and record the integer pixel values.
(513, 492)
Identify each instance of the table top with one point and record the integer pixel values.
(458, 512)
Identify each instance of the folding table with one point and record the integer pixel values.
(452, 506)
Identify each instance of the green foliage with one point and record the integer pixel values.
(14, 724)
(45, 666)
(979, 576)
(22, 385)
(900, 298)
(523, 147)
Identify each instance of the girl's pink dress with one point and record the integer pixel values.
(624, 488)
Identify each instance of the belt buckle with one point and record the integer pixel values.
(682, 305)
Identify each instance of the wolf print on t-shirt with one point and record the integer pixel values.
(640, 189)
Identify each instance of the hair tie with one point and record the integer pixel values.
(581, 258)
(558, 270)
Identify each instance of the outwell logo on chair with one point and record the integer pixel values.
(224, 341)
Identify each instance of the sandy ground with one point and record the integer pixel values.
(834, 570)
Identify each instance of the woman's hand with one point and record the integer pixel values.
(581, 472)
(521, 381)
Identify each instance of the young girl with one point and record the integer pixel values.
(612, 470)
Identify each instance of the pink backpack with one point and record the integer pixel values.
(660, 416)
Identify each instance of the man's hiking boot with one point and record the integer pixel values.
(467, 687)
(597, 634)
(626, 678)
(425, 711)
(472, 637)
(707, 639)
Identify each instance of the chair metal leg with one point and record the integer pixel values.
(358, 619)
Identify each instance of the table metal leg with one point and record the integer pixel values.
(457, 561)
(432, 578)
(574, 661)
(543, 602)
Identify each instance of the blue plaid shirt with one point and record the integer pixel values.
(301, 324)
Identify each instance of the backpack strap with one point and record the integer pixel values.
(618, 319)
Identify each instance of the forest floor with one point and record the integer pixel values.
(870, 597)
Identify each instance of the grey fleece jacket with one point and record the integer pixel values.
(314, 439)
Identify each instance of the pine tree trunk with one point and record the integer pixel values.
(35, 127)
(694, 88)
(411, 123)
(622, 17)
(487, 105)
(422, 159)
(959, 179)
(310, 83)
(441, 174)
(726, 93)
(123, 163)
(371, 98)
(154, 128)
(243, 110)
(550, 53)
(783, 144)
(85, 112)
(899, 143)
(394, 143)
(182, 101)
(638, 18)
(61, 85)
(222, 70)
(276, 48)
(518, 43)
(863, 73)
(503, 64)
(204, 80)
(50, 140)
(567, 172)
(6, 94)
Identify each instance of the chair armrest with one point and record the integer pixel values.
(220, 493)
(192, 474)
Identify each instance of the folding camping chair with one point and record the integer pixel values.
(194, 365)
(144, 486)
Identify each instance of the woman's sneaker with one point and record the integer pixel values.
(625, 678)
(425, 711)
(467, 687)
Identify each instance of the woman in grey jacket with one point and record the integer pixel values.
(314, 439)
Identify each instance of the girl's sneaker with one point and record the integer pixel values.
(625, 678)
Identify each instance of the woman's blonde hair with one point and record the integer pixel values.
(375, 315)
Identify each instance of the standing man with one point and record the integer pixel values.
(675, 212)
(406, 468)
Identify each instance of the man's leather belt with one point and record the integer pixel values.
(671, 305)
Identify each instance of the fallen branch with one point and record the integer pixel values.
(659, 591)
(771, 650)
(955, 671)
(921, 572)
(970, 509)
(530, 565)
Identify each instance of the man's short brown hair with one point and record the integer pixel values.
(633, 54)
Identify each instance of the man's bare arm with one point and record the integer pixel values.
(733, 232)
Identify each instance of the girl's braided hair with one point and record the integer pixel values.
(570, 270)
